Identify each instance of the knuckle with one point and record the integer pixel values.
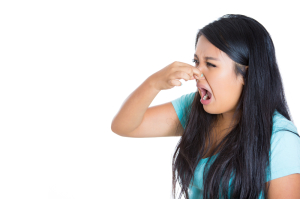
(172, 82)
(177, 73)
(173, 70)
(182, 74)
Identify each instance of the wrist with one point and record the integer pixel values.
(152, 83)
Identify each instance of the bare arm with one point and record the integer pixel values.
(131, 114)
(135, 119)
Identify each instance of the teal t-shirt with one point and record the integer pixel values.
(285, 148)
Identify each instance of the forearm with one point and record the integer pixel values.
(133, 109)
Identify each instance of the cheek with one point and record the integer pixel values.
(219, 87)
(224, 91)
(227, 94)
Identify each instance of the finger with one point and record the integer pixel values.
(193, 71)
(175, 82)
(191, 75)
(185, 76)
(190, 70)
(196, 72)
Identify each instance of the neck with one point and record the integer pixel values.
(225, 123)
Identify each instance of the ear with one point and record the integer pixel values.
(246, 68)
(242, 80)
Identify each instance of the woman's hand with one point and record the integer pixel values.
(169, 76)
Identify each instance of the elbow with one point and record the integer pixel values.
(115, 130)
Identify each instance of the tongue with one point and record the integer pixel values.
(204, 91)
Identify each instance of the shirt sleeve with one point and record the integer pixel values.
(181, 106)
(285, 154)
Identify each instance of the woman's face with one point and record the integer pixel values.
(225, 86)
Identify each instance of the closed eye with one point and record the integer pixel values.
(197, 62)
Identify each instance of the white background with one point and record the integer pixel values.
(68, 66)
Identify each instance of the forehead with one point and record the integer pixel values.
(205, 48)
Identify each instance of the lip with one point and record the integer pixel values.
(203, 86)
(205, 102)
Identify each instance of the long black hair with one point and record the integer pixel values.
(244, 151)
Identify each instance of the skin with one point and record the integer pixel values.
(226, 90)
(225, 86)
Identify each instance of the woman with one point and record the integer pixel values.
(237, 137)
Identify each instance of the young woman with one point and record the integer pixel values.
(237, 136)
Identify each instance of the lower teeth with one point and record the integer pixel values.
(205, 97)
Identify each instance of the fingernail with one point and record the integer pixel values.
(196, 76)
(201, 75)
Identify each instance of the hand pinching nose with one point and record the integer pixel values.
(201, 76)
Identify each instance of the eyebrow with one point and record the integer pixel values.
(212, 58)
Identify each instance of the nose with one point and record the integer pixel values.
(202, 77)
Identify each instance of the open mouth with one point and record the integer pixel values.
(205, 94)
